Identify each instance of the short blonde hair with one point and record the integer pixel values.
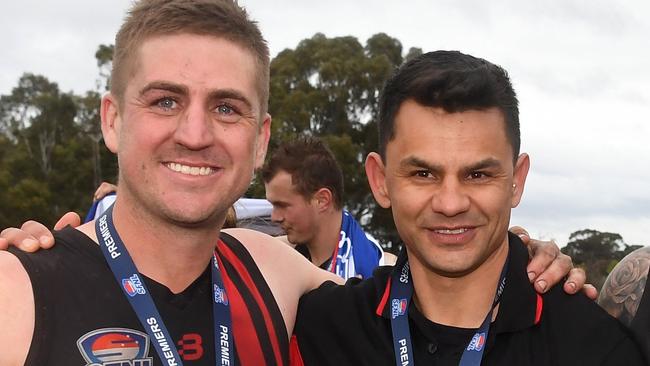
(219, 18)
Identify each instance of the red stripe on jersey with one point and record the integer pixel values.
(384, 299)
(246, 341)
(295, 358)
(245, 276)
(538, 309)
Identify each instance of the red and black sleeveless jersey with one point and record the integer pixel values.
(83, 318)
(260, 333)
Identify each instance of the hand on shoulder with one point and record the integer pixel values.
(33, 235)
(549, 266)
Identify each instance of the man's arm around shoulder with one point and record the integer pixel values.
(16, 311)
(288, 274)
(275, 259)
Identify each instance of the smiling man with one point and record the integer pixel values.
(187, 118)
(449, 167)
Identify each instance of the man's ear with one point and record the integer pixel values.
(519, 178)
(376, 173)
(262, 141)
(323, 199)
(111, 122)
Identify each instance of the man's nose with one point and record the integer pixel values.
(450, 199)
(195, 130)
(276, 216)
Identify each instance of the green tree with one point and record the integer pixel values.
(38, 116)
(597, 252)
(5, 178)
(51, 152)
(90, 125)
(104, 57)
(413, 52)
(47, 171)
(104, 163)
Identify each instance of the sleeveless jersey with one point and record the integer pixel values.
(82, 316)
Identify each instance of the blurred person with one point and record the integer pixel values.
(304, 183)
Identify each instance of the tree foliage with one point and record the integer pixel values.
(597, 252)
(51, 154)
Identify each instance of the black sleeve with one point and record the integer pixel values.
(338, 325)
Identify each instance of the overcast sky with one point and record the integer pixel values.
(581, 70)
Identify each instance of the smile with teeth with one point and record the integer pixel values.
(451, 231)
(189, 170)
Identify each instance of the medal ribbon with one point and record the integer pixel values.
(136, 291)
(401, 293)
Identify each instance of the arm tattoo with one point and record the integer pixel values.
(623, 289)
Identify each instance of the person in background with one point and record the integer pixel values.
(304, 183)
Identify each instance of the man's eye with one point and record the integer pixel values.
(225, 109)
(227, 113)
(166, 103)
(422, 174)
(477, 175)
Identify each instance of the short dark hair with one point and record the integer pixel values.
(453, 81)
(312, 166)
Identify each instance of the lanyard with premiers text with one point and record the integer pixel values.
(401, 292)
(135, 290)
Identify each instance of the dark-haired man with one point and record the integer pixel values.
(304, 183)
(449, 168)
(153, 281)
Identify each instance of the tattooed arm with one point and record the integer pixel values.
(623, 289)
